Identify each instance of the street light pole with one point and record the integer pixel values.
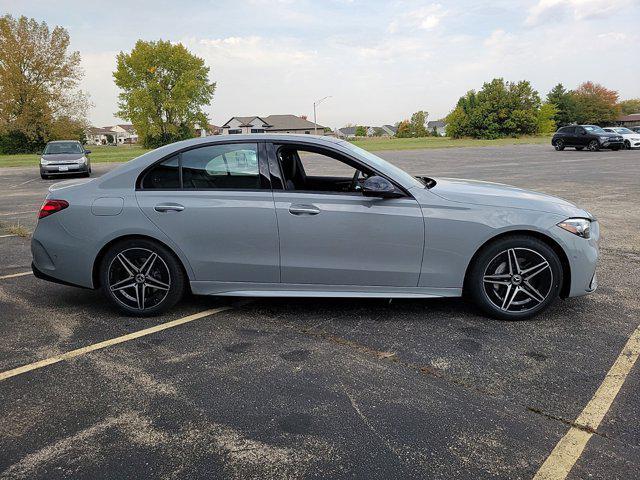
(315, 104)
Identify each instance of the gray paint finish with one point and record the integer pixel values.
(249, 241)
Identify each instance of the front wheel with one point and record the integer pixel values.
(627, 145)
(593, 146)
(559, 145)
(515, 278)
(141, 277)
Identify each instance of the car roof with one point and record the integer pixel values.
(63, 141)
(252, 137)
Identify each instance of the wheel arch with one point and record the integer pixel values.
(95, 274)
(551, 243)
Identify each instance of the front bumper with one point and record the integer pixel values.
(612, 145)
(583, 258)
(64, 169)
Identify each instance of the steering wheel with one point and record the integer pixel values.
(354, 181)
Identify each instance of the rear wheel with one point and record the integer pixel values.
(559, 145)
(141, 277)
(515, 278)
(593, 146)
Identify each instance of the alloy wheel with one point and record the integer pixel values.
(559, 145)
(593, 146)
(518, 280)
(139, 278)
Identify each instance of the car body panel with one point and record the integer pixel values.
(419, 245)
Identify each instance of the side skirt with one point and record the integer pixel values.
(245, 289)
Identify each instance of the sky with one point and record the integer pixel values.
(379, 61)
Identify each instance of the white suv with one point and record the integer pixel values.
(631, 138)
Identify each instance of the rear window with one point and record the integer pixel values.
(567, 130)
(164, 175)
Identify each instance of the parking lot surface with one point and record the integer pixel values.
(326, 388)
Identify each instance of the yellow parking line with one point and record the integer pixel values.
(564, 456)
(108, 343)
(14, 275)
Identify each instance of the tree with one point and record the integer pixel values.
(565, 105)
(164, 88)
(499, 109)
(627, 107)
(418, 124)
(403, 129)
(39, 76)
(546, 123)
(595, 104)
(361, 131)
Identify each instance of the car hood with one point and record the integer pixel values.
(499, 195)
(63, 157)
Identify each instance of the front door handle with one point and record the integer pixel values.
(173, 207)
(304, 210)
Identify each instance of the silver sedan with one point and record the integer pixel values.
(305, 216)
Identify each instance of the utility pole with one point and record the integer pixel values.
(315, 104)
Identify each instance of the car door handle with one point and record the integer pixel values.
(169, 208)
(304, 210)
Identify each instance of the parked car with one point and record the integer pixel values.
(305, 216)
(631, 138)
(64, 157)
(635, 129)
(591, 137)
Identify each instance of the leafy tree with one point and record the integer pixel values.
(39, 76)
(499, 109)
(164, 88)
(565, 105)
(546, 123)
(418, 124)
(403, 129)
(627, 107)
(595, 104)
(361, 131)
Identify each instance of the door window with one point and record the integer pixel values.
(164, 175)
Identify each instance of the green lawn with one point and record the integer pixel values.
(102, 154)
(377, 144)
(99, 154)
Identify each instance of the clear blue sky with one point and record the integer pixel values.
(380, 60)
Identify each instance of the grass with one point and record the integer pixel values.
(103, 154)
(377, 144)
(99, 154)
(15, 229)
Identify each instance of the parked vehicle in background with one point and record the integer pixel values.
(306, 216)
(64, 157)
(591, 137)
(635, 129)
(631, 138)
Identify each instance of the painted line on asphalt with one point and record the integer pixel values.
(109, 343)
(14, 275)
(566, 453)
(23, 183)
(15, 214)
(10, 235)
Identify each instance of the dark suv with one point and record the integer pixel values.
(591, 137)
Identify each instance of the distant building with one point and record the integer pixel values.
(383, 131)
(122, 134)
(208, 131)
(439, 125)
(631, 120)
(271, 124)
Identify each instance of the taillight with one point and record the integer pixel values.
(50, 207)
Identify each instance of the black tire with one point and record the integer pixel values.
(483, 287)
(627, 145)
(593, 146)
(165, 270)
(559, 145)
(579, 148)
(44, 177)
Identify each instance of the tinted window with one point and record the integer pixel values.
(221, 166)
(566, 130)
(163, 175)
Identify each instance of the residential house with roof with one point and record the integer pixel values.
(439, 126)
(122, 134)
(383, 131)
(271, 124)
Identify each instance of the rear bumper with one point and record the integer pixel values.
(43, 276)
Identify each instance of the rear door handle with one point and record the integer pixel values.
(304, 210)
(169, 208)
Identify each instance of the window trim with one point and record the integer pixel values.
(263, 169)
(277, 177)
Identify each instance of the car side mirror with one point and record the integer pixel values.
(87, 152)
(376, 186)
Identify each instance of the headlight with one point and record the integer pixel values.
(604, 139)
(82, 160)
(578, 226)
(44, 162)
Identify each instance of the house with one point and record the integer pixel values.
(631, 120)
(208, 131)
(346, 132)
(383, 131)
(389, 130)
(271, 124)
(123, 134)
(439, 126)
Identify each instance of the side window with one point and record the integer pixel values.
(164, 175)
(232, 166)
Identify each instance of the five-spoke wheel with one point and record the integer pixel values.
(515, 277)
(141, 277)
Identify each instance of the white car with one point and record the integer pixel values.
(631, 138)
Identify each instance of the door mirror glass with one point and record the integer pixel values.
(376, 186)
(87, 152)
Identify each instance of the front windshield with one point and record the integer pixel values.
(382, 165)
(63, 148)
(594, 129)
(622, 130)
